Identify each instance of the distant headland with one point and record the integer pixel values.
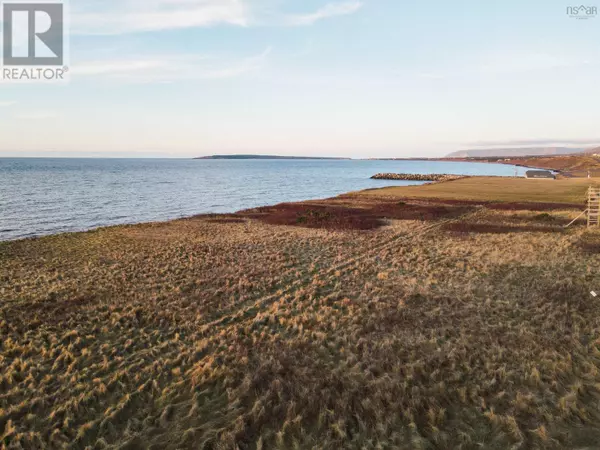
(264, 157)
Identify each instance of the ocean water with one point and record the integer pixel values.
(40, 196)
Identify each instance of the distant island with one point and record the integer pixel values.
(264, 157)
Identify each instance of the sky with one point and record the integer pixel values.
(352, 78)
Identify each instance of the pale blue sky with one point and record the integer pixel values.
(370, 78)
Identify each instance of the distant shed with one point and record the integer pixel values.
(540, 174)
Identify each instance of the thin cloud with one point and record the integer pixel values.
(5, 104)
(115, 17)
(327, 11)
(164, 69)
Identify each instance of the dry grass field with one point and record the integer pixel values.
(360, 322)
(497, 189)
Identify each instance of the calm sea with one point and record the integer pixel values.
(48, 195)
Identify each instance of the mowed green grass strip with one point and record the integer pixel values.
(496, 189)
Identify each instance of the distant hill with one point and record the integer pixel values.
(593, 151)
(576, 165)
(515, 152)
(262, 157)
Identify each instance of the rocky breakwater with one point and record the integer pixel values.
(416, 177)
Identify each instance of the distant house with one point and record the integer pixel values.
(539, 174)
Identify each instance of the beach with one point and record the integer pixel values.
(43, 196)
(385, 318)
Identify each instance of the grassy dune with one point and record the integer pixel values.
(438, 331)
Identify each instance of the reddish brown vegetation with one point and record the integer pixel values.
(315, 216)
(367, 216)
(339, 217)
(226, 220)
(406, 211)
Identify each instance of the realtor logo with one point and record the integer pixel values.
(582, 12)
(33, 40)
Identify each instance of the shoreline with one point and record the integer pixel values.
(209, 215)
(37, 231)
(409, 177)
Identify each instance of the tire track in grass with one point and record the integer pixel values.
(212, 331)
(228, 318)
(177, 395)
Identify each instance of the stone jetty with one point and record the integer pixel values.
(416, 177)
